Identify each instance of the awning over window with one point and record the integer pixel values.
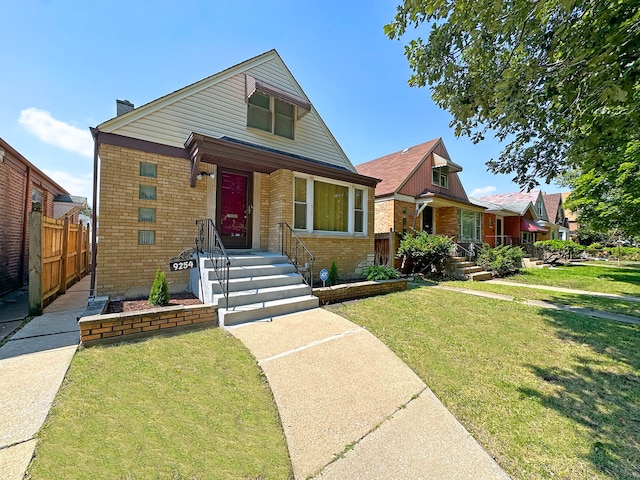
(529, 226)
(439, 161)
(253, 85)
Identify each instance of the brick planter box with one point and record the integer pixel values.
(350, 291)
(121, 327)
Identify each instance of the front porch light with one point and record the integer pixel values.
(205, 174)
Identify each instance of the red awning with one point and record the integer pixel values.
(529, 226)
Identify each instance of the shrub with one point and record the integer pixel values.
(427, 253)
(380, 272)
(500, 261)
(159, 294)
(562, 249)
(334, 277)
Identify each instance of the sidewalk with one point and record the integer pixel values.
(350, 408)
(14, 307)
(33, 364)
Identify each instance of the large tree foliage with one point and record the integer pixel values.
(608, 199)
(556, 79)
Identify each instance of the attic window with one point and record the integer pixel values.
(439, 177)
(272, 109)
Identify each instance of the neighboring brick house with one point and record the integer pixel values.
(421, 190)
(572, 220)
(559, 223)
(245, 148)
(530, 223)
(21, 185)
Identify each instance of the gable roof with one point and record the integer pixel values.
(214, 106)
(552, 203)
(515, 201)
(394, 169)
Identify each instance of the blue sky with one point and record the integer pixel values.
(65, 62)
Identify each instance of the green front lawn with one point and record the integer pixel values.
(549, 394)
(621, 281)
(521, 294)
(192, 406)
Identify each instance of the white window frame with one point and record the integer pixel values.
(443, 178)
(477, 230)
(272, 112)
(352, 215)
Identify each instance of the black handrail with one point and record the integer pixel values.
(294, 248)
(209, 243)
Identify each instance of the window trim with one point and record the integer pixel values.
(311, 179)
(273, 116)
(441, 175)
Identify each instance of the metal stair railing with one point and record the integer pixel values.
(294, 248)
(469, 253)
(209, 243)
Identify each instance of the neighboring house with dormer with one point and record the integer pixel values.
(421, 190)
(244, 148)
(531, 222)
(559, 223)
(572, 220)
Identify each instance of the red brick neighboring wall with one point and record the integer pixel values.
(121, 327)
(489, 229)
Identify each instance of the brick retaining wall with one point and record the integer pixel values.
(350, 291)
(121, 327)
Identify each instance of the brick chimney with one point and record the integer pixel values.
(123, 106)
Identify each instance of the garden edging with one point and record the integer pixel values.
(350, 291)
(119, 327)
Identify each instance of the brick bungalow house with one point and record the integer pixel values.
(530, 223)
(245, 148)
(554, 206)
(421, 190)
(22, 184)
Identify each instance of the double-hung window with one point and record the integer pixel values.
(321, 205)
(439, 178)
(271, 115)
(469, 226)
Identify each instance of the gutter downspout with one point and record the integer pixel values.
(94, 238)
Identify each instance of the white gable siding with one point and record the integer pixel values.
(220, 110)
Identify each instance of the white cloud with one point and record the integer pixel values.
(78, 185)
(479, 192)
(41, 124)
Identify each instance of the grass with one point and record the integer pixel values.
(586, 301)
(192, 406)
(621, 281)
(548, 394)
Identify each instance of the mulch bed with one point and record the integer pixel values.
(119, 306)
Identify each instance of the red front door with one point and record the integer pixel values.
(235, 206)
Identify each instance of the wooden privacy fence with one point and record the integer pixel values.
(58, 258)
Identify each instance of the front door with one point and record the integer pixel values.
(235, 206)
(427, 220)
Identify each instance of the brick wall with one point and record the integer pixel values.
(383, 215)
(120, 327)
(489, 229)
(12, 188)
(349, 291)
(446, 221)
(125, 268)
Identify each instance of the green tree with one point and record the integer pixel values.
(607, 199)
(558, 80)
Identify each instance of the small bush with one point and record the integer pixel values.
(500, 261)
(561, 249)
(427, 253)
(334, 277)
(380, 272)
(159, 294)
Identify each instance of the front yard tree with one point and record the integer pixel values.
(556, 79)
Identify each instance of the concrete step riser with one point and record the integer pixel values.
(239, 284)
(480, 277)
(251, 260)
(262, 295)
(468, 270)
(256, 271)
(259, 312)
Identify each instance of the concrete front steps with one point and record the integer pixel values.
(533, 262)
(461, 268)
(262, 285)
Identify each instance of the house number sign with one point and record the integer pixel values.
(175, 266)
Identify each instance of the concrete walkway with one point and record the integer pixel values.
(613, 296)
(33, 364)
(350, 408)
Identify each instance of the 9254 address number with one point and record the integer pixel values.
(175, 266)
